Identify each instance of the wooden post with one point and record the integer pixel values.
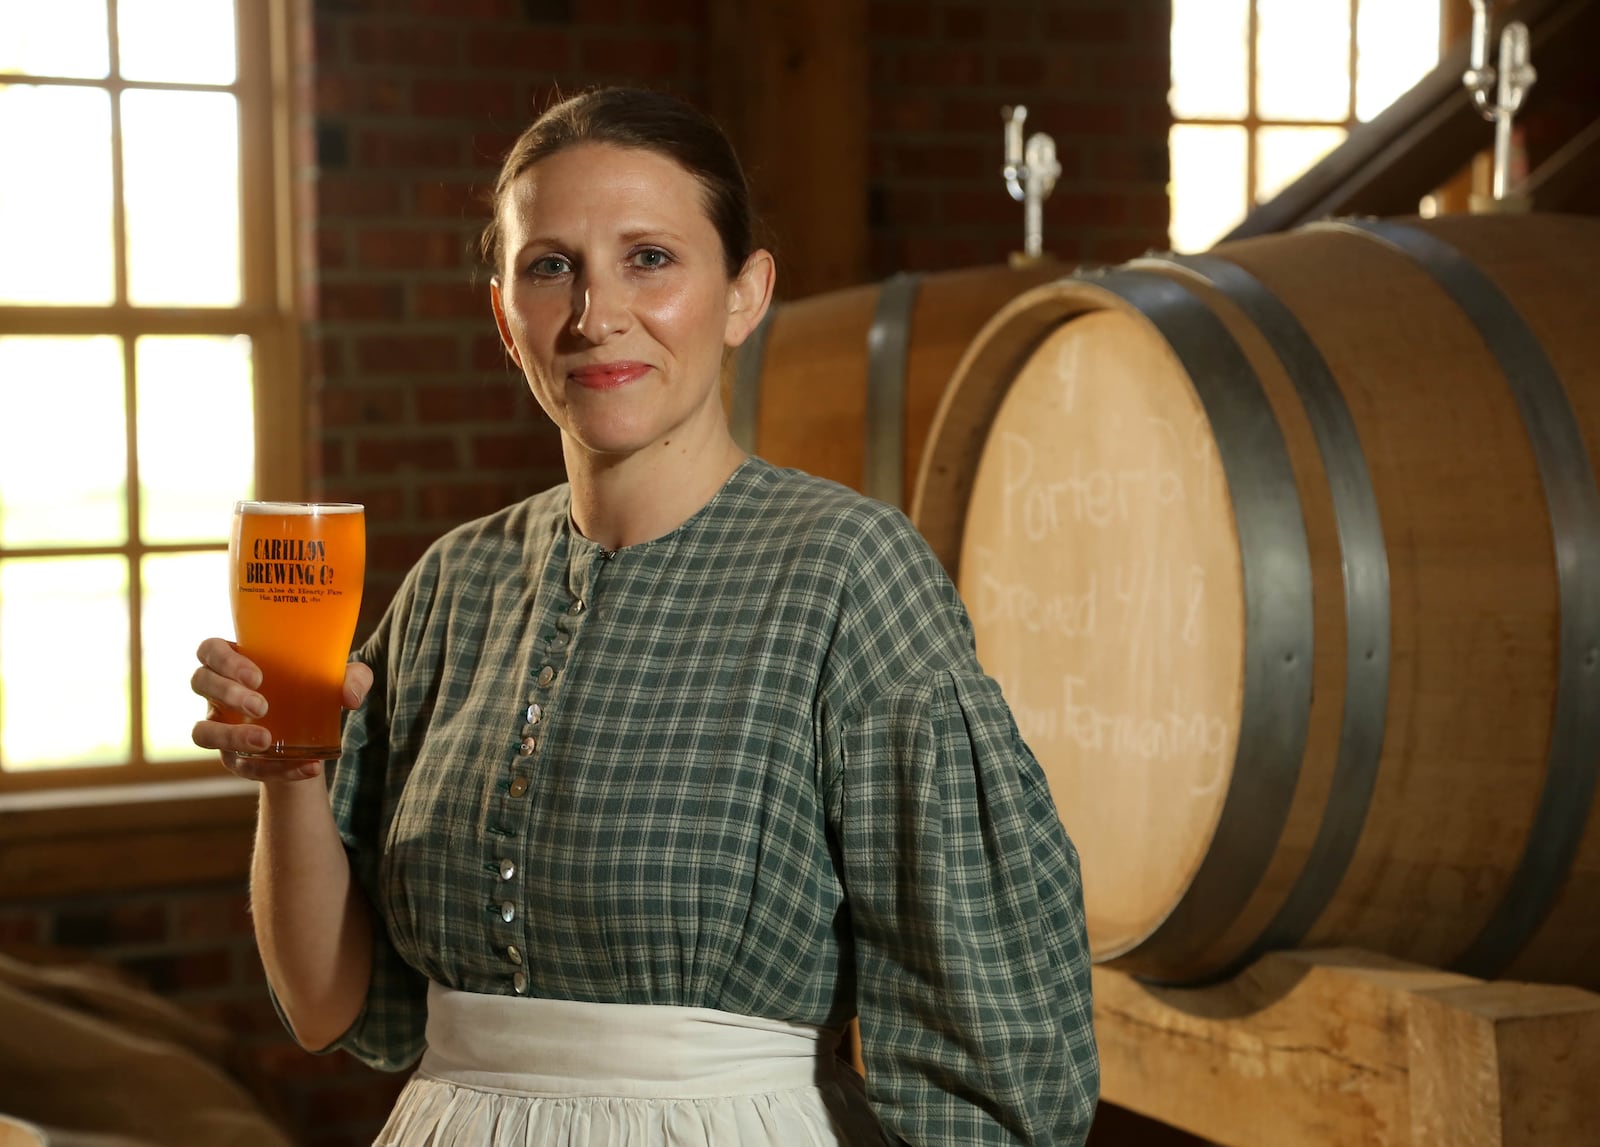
(1505, 1065)
(789, 82)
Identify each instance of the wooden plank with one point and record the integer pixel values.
(1570, 179)
(137, 842)
(788, 81)
(138, 861)
(1336, 1047)
(1302, 1048)
(1505, 1065)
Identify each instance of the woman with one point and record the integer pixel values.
(657, 778)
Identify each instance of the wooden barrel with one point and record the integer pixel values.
(844, 384)
(1287, 558)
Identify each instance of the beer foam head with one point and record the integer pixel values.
(306, 508)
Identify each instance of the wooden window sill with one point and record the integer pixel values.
(121, 838)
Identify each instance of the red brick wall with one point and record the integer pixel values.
(421, 419)
(414, 409)
(420, 416)
(1093, 75)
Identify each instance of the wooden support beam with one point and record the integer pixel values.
(1330, 1048)
(1570, 179)
(789, 82)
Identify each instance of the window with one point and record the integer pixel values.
(147, 354)
(1262, 89)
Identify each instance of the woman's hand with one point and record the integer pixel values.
(228, 680)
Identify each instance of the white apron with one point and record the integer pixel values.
(502, 1071)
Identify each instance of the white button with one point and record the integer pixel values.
(546, 675)
(526, 748)
(507, 869)
(577, 606)
(535, 714)
(520, 983)
(515, 953)
(508, 911)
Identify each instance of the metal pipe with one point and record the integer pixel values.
(1498, 92)
(1042, 173)
(1014, 117)
(1480, 77)
(1030, 172)
(1517, 76)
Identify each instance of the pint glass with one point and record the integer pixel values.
(297, 570)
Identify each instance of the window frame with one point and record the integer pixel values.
(269, 313)
(1253, 122)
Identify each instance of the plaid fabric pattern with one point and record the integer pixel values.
(752, 765)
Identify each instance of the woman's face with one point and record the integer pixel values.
(614, 299)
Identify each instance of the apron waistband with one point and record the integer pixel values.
(569, 1048)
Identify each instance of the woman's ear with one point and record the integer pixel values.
(500, 320)
(749, 296)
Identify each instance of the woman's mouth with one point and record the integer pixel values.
(607, 375)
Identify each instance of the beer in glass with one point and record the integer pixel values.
(297, 570)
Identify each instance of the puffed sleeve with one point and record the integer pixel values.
(967, 911)
(966, 905)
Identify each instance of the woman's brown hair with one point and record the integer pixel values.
(637, 118)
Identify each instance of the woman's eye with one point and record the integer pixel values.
(651, 257)
(548, 265)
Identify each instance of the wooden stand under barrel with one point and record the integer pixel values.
(1338, 1047)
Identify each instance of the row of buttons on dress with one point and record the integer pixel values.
(545, 678)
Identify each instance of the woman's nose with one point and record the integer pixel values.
(602, 310)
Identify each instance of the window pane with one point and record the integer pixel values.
(1303, 59)
(64, 661)
(1283, 154)
(1210, 59)
(195, 397)
(1398, 44)
(179, 41)
(63, 442)
(54, 38)
(181, 173)
(55, 195)
(1208, 184)
(185, 601)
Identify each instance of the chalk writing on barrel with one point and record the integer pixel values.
(1005, 602)
(1098, 496)
(1173, 732)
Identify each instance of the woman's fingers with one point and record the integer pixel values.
(229, 736)
(270, 768)
(230, 740)
(262, 769)
(357, 684)
(225, 660)
(228, 679)
(226, 694)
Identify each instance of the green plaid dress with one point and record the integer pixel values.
(752, 765)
